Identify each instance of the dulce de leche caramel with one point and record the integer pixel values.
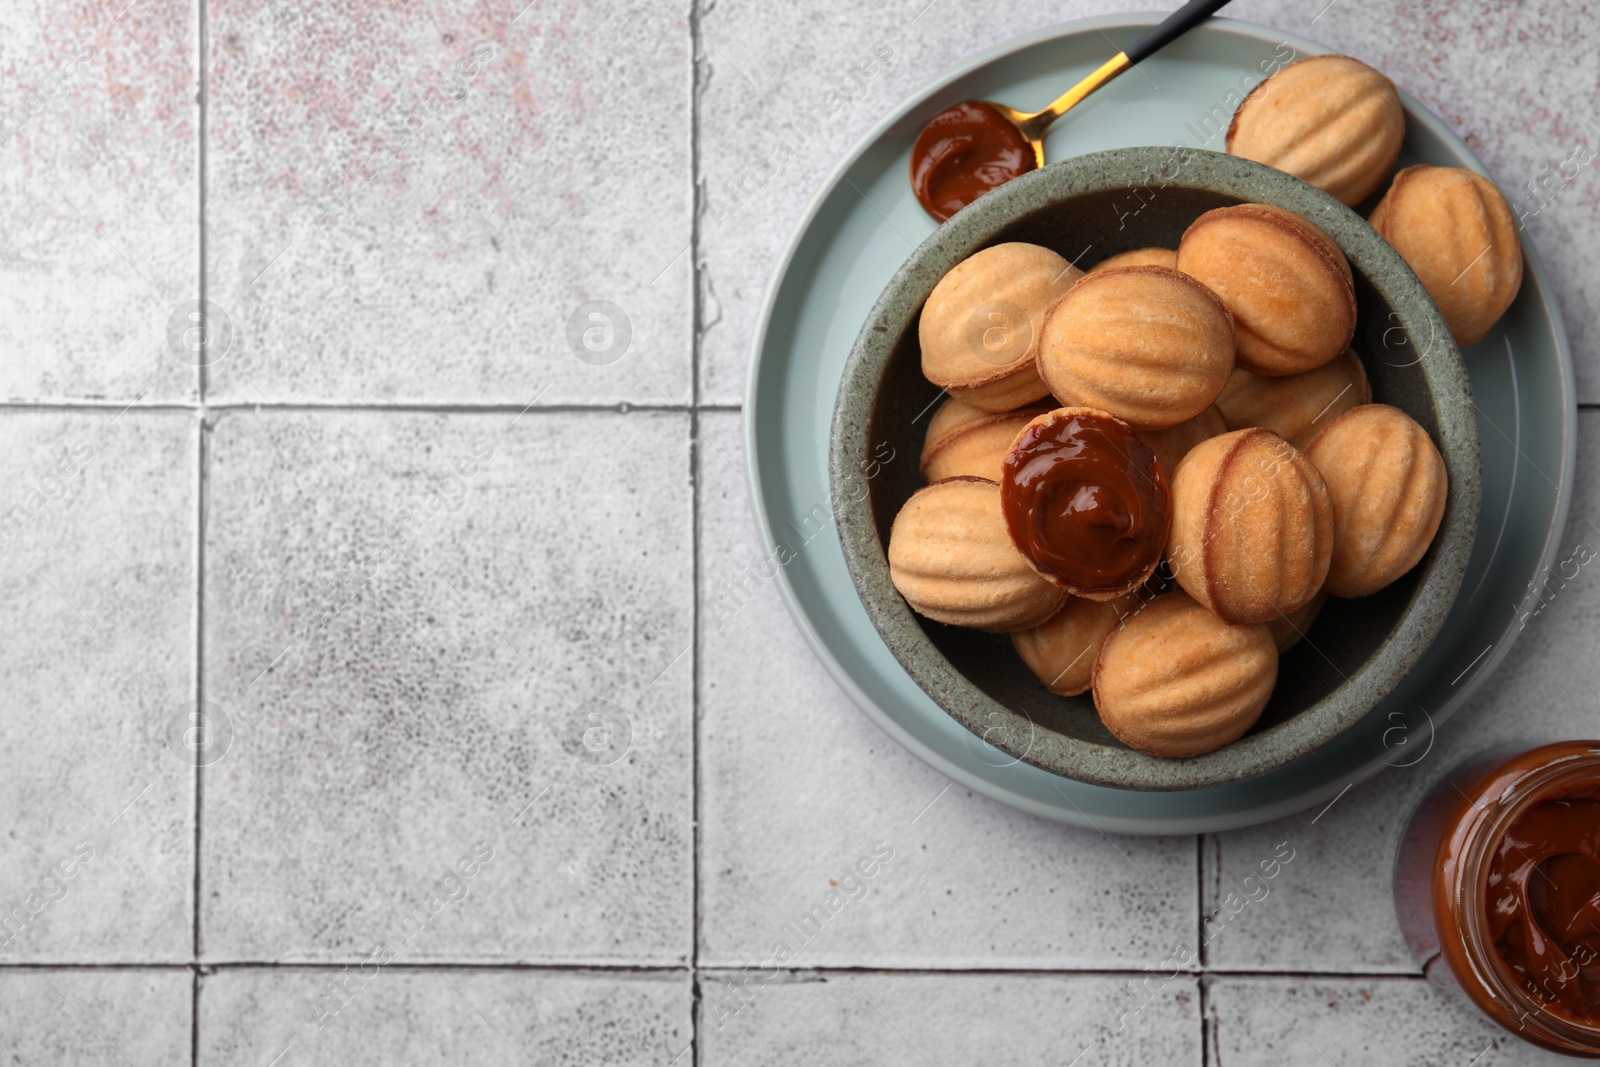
(1086, 502)
(1498, 880)
(965, 151)
(1543, 901)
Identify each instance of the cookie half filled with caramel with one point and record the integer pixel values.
(1086, 502)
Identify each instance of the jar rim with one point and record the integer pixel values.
(1469, 890)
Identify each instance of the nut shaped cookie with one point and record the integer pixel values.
(1456, 231)
(1174, 680)
(1062, 651)
(1140, 257)
(1295, 407)
(980, 328)
(951, 415)
(963, 441)
(1252, 526)
(1173, 443)
(1149, 345)
(1287, 284)
(952, 559)
(1329, 120)
(1388, 484)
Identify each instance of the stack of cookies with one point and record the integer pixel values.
(1152, 475)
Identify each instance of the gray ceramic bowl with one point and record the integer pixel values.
(1088, 207)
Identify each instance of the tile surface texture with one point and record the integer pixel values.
(808, 1018)
(412, 619)
(1338, 1021)
(97, 657)
(95, 1018)
(388, 1014)
(461, 178)
(100, 193)
(403, 685)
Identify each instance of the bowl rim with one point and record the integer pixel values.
(1011, 730)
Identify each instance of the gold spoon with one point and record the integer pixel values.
(968, 149)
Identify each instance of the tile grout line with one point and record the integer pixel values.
(201, 431)
(1130, 971)
(696, 479)
(207, 407)
(202, 104)
(1199, 935)
(1200, 900)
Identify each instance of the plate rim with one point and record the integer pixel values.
(1254, 814)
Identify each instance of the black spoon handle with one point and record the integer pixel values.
(1172, 27)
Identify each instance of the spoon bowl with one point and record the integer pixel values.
(977, 145)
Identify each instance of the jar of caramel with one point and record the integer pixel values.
(1498, 891)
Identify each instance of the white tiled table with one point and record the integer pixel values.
(490, 706)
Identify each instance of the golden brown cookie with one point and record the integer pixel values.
(1456, 231)
(1086, 502)
(1173, 443)
(1287, 284)
(1297, 406)
(1150, 345)
(1139, 257)
(952, 559)
(1329, 120)
(1289, 630)
(1387, 483)
(1175, 680)
(1252, 526)
(950, 416)
(979, 329)
(963, 441)
(1062, 652)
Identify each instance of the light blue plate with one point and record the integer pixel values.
(862, 226)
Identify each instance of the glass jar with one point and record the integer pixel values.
(1451, 873)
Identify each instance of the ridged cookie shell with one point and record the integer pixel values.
(1329, 120)
(1388, 486)
(1027, 276)
(951, 557)
(1252, 526)
(1456, 231)
(1174, 680)
(1285, 281)
(1150, 345)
